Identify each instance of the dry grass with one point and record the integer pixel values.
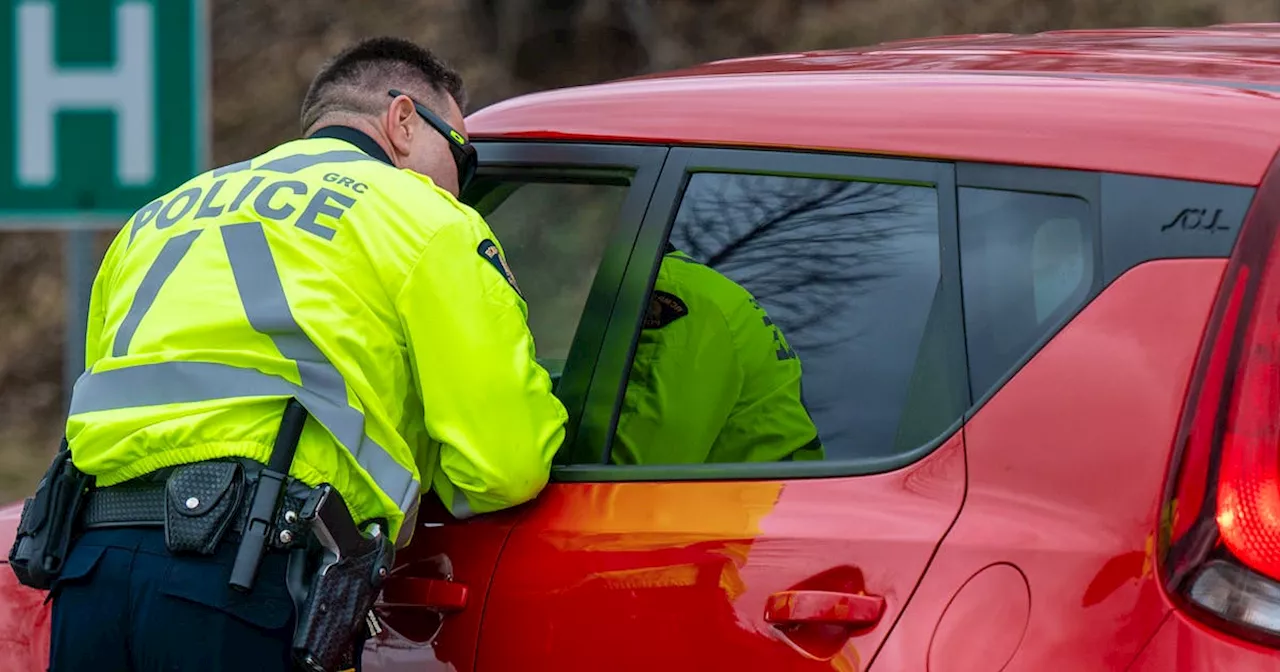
(265, 53)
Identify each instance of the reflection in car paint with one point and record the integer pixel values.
(661, 557)
(598, 511)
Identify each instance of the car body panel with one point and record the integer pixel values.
(9, 517)
(1228, 54)
(1130, 101)
(1184, 645)
(24, 616)
(1099, 406)
(24, 624)
(641, 576)
(443, 549)
(1137, 127)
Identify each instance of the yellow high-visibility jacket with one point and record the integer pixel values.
(318, 271)
(714, 379)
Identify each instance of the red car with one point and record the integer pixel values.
(1034, 284)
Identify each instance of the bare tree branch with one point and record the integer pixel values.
(804, 247)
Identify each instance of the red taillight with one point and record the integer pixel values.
(1249, 471)
(1221, 549)
(1207, 395)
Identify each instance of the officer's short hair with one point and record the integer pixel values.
(358, 78)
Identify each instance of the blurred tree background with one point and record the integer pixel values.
(264, 54)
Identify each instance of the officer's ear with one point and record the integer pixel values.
(399, 125)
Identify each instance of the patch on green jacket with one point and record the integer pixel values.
(664, 308)
(490, 252)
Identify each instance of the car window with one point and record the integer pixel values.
(794, 318)
(1027, 264)
(553, 232)
(1058, 265)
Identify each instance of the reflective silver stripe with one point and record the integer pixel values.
(267, 308)
(323, 391)
(187, 382)
(408, 526)
(297, 162)
(173, 251)
(232, 168)
(459, 506)
(172, 383)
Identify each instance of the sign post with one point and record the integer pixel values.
(102, 106)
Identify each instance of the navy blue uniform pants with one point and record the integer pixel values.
(125, 604)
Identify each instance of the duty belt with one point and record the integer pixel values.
(141, 503)
(336, 568)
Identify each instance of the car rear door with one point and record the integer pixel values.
(1087, 296)
(567, 217)
(791, 565)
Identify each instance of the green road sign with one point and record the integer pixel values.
(101, 105)
(101, 110)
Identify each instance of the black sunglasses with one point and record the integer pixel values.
(464, 153)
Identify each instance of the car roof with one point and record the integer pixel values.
(1198, 104)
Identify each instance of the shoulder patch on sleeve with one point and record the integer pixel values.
(489, 250)
(664, 308)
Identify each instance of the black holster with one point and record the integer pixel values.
(47, 526)
(347, 570)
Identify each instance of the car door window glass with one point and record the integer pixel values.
(793, 318)
(1058, 265)
(553, 233)
(1027, 264)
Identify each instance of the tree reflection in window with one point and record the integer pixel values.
(851, 271)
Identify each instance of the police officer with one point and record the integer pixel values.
(338, 270)
(714, 379)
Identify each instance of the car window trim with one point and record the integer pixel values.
(604, 402)
(581, 160)
(1081, 184)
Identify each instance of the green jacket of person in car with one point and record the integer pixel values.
(714, 380)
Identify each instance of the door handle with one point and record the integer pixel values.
(822, 607)
(413, 592)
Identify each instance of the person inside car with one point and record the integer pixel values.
(714, 380)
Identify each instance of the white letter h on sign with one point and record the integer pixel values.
(125, 88)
